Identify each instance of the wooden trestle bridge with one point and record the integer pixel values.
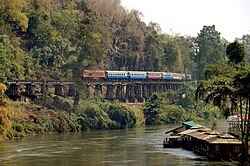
(125, 91)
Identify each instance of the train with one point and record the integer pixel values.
(134, 75)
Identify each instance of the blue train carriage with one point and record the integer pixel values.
(167, 76)
(137, 75)
(117, 74)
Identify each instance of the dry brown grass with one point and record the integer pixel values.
(3, 88)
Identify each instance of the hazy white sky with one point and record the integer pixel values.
(187, 17)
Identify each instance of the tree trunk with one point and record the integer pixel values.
(248, 127)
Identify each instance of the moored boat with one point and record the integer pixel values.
(205, 141)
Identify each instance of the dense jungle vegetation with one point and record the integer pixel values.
(58, 39)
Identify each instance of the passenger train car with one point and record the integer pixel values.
(134, 75)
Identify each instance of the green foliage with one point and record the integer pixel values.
(245, 39)
(60, 103)
(11, 13)
(72, 122)
(19, 128)
(158, 111)
(236, 52)
(7, 56)
(62, 38)
(172, 58)
(209, 50)
(175, 113)
(123, 117)
(153, 49)
(106, 116)
(153, 108)
(228, 88)
(186, 97)
(93, 118)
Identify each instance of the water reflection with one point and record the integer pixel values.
(135, 147)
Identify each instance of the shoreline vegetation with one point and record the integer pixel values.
(20, 119)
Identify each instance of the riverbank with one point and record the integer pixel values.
(19, 119)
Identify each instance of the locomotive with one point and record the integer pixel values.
(134, 75)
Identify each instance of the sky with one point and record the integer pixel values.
(187, 17)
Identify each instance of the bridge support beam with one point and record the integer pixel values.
(59, 90)
(130, 93)
(14, 92)
(110, 93)
(139, 93)
(71, 91)
(30, 90)
(98, 89)
(88, 91)
(150, 90)
(45, 88)
(144, 91)
(120, 93)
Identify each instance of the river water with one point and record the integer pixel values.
(133, 147)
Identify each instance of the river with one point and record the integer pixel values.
(133, 147)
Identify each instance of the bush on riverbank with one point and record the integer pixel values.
(157, 111)
(96, 115)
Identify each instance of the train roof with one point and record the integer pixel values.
(154, 72)
(142, 72)
(109, 71)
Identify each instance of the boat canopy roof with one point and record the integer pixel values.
(189, 123)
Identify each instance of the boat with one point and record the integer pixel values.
(172, 141)
(204, 141)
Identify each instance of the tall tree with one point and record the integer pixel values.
(152, 109)
(5, 63)
(153, 49)
(209, 50)
(187, 53)
(171, 59)
(246, 41)
(11, 60)
(236, 53)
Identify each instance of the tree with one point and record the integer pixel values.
(209, 50)
(245, 39)
(236, 52)
(186, 95)
(187, 53)
(171, 58)
(10, 60)
(123, 117)
(227, 86)
(128, 43)
(153, 49)
(153, 108)
(11, 13)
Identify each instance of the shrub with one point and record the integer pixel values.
(123, 117)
